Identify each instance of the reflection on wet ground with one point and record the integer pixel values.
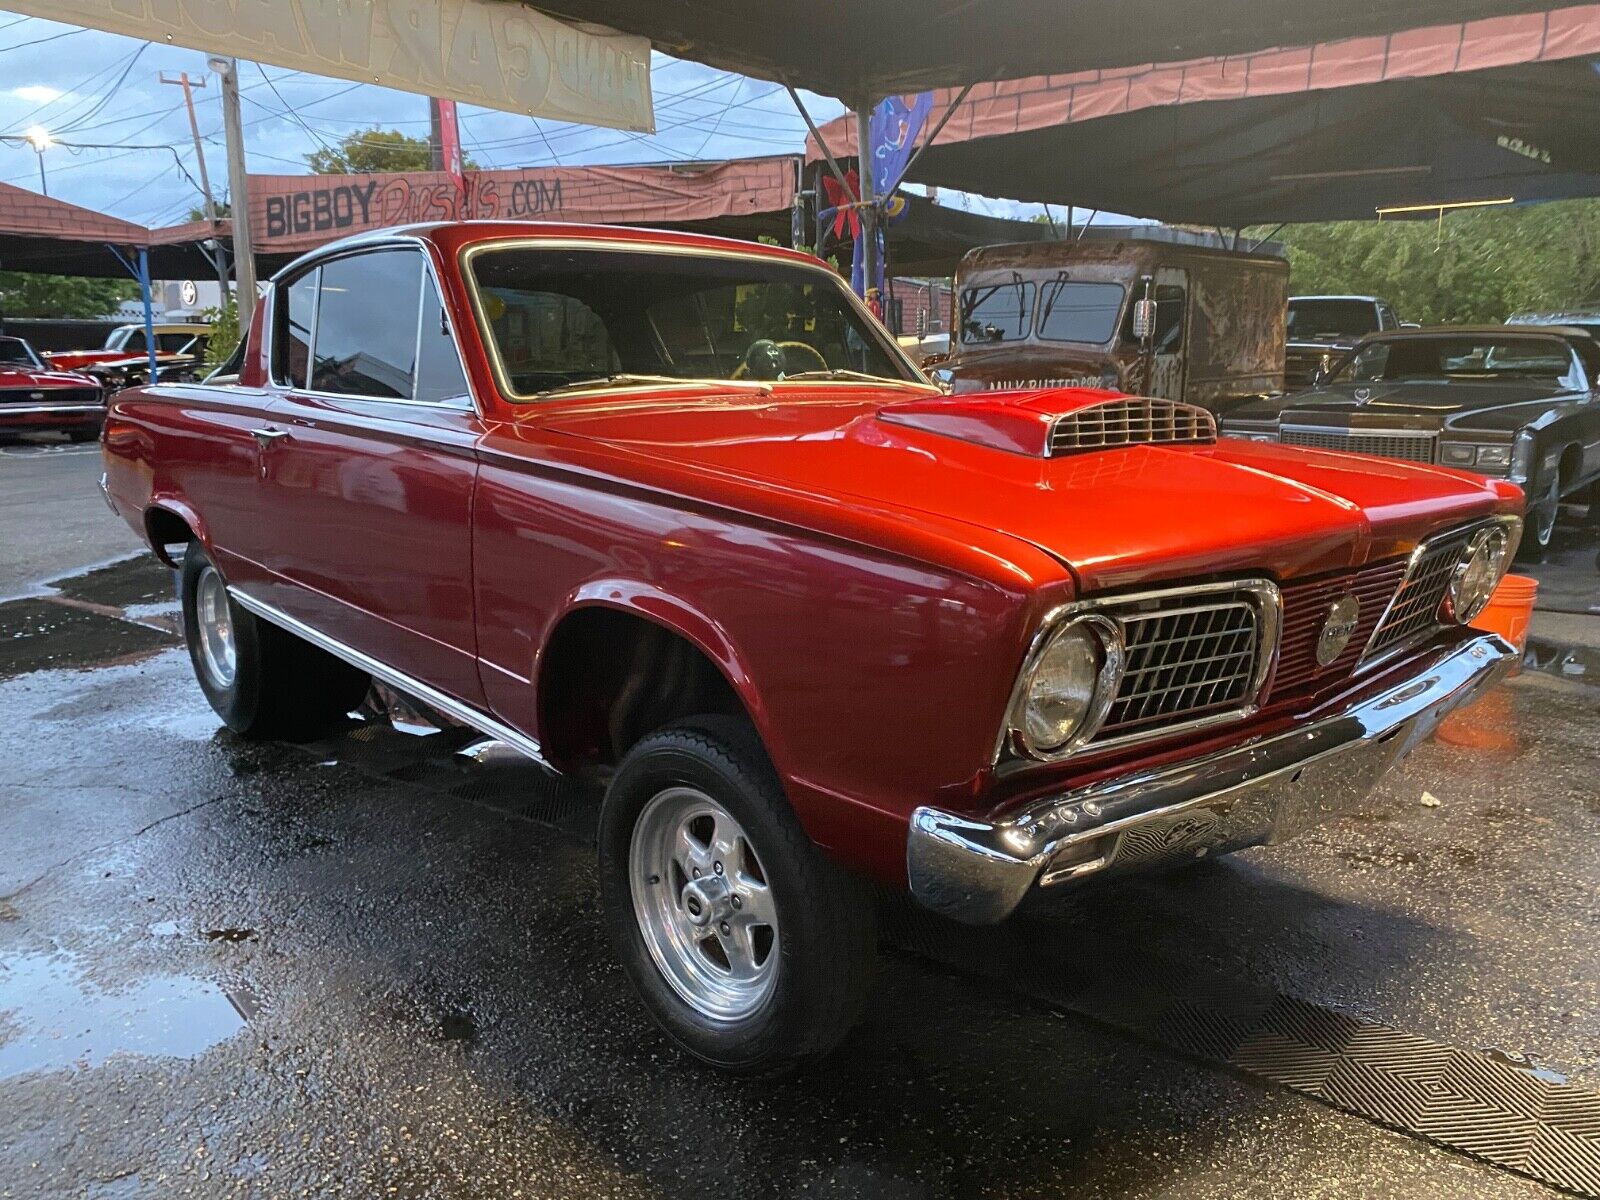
(54, 1017)
(119, 613)
(446, 1018)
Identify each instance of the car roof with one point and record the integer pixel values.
(1363, 299)
(1428, 331)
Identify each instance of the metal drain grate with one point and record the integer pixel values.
(1462, 1100)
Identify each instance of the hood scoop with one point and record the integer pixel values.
(1057, 421)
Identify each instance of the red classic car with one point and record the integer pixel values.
(676, 515)
(33, 397)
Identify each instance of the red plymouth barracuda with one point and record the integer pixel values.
(34, 397)
(674, 514)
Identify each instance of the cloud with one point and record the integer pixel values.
(38, 93)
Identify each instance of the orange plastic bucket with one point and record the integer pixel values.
(1489, 723)
(1510, 610)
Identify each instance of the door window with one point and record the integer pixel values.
(1168, 339)
(173, 343)
(439, 375)
(361, 349)
(134, 342)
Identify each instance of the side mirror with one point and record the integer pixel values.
(1144, 319)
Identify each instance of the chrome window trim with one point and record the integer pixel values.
(1469, 530)
(1269, 606)
(456, 709)
(472, 251)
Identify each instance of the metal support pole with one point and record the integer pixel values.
(149, 317)
(44, 187)
(244, 257)
(869, 204)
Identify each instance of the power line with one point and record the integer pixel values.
(54, 37)
(110, 94)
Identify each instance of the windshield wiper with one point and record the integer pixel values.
(627, 379)
(846, 373)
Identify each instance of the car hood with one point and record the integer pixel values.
(22, 377)
(1465, 403)
(1122, 516)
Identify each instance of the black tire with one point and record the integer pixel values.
(827, 944)
(282, 686)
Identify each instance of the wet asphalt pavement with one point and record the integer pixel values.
(373, 966)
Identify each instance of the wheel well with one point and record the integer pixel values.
(608, 678)
(164, 528)
(1571, 465)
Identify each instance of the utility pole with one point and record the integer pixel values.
(244, 255)
(212, 216)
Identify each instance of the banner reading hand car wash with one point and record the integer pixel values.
(486, 52)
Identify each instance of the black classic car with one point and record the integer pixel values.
(1518, 402)
(1323, 329)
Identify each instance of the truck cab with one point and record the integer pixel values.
(1136, 313)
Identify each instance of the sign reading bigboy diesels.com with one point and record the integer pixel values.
(494, 53)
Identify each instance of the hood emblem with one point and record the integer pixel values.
(1337, 629)
(1363, 395)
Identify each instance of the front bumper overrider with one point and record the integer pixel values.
(1264, 790)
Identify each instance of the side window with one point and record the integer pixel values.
(134, 342)
(296, 305)
(1169, 298)
(1386, 318)
(171, 343)
(364, 345)
(439, 374)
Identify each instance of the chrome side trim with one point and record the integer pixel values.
(1266, 788)
(431, 696)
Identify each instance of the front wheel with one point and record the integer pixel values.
(748, 947)
(261, 680)
(1542, 521)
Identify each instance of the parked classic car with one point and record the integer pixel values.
(675, 515)
(1323, 329)
(33, 397)
(1054, 314)
(125, 358)
(1521, 403)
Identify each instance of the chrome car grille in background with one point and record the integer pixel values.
(1190, 657)
(1383, 443)
(1134, 420)
(1416, 606)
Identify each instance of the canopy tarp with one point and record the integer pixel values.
(40, 234)
(1478, 110)
(875, 47)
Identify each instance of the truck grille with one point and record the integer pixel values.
(1133, 420)
(1387, 443)
(1415, 609)
(1190, 657)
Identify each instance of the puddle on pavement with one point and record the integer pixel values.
(1523, 1062)
(52, 1018)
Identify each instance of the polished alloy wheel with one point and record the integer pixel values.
(703, 904)
(219, 653)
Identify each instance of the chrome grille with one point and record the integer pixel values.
(1386, 443)
(1186, 659)
(1305, 610)
(50, 395)
(1415, 609)
(1132, 420)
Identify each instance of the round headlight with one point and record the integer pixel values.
(1477, 574)
(1070, 684)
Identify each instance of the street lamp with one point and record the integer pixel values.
(39, 138)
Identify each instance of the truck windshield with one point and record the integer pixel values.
(1325, 318)
(560, 318)
(1079, 311)
(997, 311)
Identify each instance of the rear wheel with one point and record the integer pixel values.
(262, 681)
(748, 947)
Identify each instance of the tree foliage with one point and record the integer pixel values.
(1477, 265)
(373, 151)
(28, 295)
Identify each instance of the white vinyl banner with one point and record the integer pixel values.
(496, 53)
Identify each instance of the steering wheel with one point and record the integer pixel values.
(801, 356)
(763, 359)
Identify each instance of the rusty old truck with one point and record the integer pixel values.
(1136, 312)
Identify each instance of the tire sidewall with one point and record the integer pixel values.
(236, 704)
(777, 1029)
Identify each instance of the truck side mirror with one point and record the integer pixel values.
(1144, 319)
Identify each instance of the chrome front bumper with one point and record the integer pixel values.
(1264, 790)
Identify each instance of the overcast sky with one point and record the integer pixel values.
(85, 86)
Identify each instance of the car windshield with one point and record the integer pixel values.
(997, 310)
(18, 353)
(1460, 358)
(559, 318)
(1310, 319)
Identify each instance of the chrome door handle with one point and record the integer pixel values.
(265, 437)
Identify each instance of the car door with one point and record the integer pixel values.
(370, 470)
